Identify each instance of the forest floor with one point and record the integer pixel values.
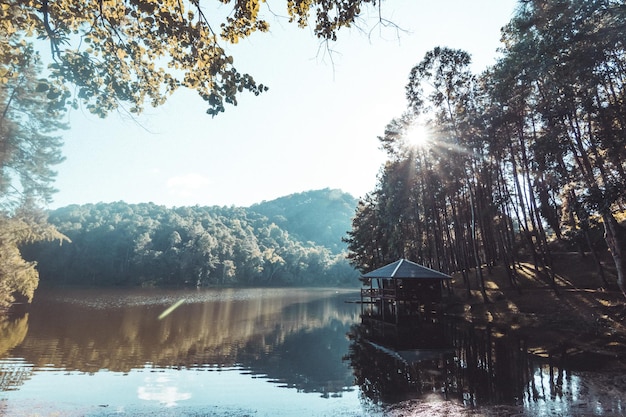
(582, 321)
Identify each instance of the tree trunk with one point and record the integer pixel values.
(614, 236)
(596, 257)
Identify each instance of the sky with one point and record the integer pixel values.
(316, 127)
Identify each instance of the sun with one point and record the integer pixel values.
(418, 135)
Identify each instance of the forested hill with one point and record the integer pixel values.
(322, 216)
(148, 244)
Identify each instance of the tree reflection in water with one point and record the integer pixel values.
(13, 330)
(296, 338)
(293, 338)
(454, 360)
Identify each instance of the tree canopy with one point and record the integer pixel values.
(18, 277)
(521, 159)
(146, 244)
(322, 217)
(109, 52)
(30, 146)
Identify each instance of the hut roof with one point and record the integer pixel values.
(403, 269)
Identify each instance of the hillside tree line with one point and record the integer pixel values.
(151, 245)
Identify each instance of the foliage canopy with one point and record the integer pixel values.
(146, 244)
(141, 51)
(526, 157)
(17, 276)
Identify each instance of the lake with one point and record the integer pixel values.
(271, 352)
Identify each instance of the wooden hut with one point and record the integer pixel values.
(401, 289)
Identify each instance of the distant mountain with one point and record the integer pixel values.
(319, 216)
(293, 240)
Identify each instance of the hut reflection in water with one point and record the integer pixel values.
(449, 358)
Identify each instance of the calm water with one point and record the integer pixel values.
(269, 352)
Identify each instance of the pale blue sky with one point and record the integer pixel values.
(316, 127)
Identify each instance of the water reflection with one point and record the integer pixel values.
(269, 333)
(396, 363)
(219, 349)
(13, 329)
(477, 367)
(448, 357)
(161, 390)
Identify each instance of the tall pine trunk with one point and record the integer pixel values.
(615, 235)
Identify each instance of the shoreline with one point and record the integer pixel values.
(580, 322)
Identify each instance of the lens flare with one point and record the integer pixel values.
(171, 308)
